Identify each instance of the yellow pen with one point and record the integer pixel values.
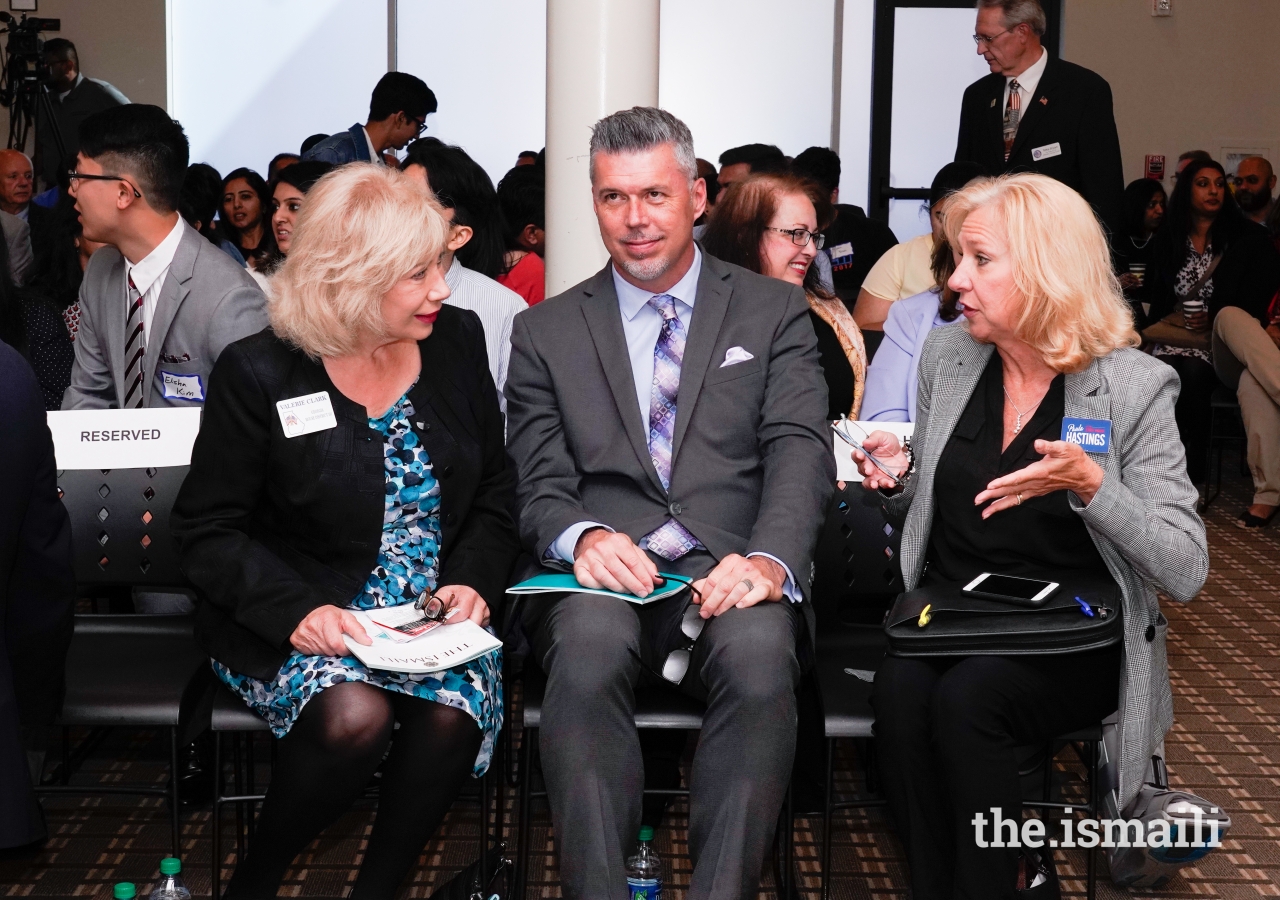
(924, 615)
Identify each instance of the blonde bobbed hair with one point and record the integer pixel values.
(362, 229)
(1073, 310)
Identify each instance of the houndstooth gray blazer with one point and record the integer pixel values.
(1143, 519)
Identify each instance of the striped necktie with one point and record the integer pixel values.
(135, 339)
(671, 540)
(1012, 115)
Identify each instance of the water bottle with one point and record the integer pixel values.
(644, 870)
(170, 886)
(124, 890)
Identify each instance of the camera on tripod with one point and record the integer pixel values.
(24, 74)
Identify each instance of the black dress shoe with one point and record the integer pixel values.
(1249, 520)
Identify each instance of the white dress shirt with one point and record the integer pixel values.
(149, 273)
(374, 155)
(642, 326)
(496, 306)
(1028, 81)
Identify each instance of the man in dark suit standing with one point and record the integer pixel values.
(1035, 113)
(72, 98)
(668, 413)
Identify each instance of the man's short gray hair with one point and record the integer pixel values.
(643, 128)
(1019, 12)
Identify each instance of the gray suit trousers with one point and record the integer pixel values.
(744, 666)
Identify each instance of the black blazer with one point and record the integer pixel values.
(271, 528)
(37, 590)
(1247, 277)
(1071, 108)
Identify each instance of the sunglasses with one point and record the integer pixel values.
(676, 665)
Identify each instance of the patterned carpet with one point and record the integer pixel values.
(1224, 652)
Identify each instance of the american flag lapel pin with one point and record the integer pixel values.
(1044, 101)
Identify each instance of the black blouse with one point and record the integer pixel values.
(1041, 536)
(836, 370)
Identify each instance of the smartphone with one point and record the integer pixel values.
(1022, 591)
(835, 426)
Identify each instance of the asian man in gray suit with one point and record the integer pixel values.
(668, 414)
(160, 303)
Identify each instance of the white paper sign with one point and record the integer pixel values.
(305, 414)
(123, 438)
(846, 468)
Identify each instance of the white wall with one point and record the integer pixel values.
(855, 100)
(253, 78)
(487, 63)
(745, 71)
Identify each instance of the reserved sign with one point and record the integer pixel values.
(123, 438)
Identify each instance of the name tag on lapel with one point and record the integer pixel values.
(1093, 435)
(306, 414)
(1047, 151)
(182, 387)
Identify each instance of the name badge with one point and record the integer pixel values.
(306, 414)
(182, 387)
(1047, 151)
(1093, 435)
(841, 256)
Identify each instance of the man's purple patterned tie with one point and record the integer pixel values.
(671, 540)
(134, 343)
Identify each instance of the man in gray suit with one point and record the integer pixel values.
(668, 414)
(158, 306)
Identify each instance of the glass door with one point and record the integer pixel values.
(924, 58)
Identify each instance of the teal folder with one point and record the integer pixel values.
(561, 582)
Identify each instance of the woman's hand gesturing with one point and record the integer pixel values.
(1064, 467)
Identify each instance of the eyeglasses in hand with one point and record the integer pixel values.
(74, 176)
(801, 236)
(433, 609)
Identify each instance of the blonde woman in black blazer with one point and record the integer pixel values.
(408, 491)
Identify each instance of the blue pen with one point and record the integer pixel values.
(1085, 608)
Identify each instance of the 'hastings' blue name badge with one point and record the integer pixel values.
(1093, 435)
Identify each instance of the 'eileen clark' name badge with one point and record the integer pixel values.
(306, 414)
(1093, 435)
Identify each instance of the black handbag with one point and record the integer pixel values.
(960, 624)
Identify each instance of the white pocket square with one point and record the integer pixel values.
(735, 355)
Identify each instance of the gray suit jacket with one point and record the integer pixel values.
(1143, 520)
(752, 468)
(206, 302)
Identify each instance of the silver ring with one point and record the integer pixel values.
(1019, 498)
(750, 587)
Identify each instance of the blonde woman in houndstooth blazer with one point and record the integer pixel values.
(989, 486)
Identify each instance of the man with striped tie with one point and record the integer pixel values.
(160, 303)
(1038, 113)
(667, 415)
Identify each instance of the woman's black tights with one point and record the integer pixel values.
(324, 765)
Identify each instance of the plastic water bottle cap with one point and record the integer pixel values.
(170, 865)
(646, 832)
(125, 891)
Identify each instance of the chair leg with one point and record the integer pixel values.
(522, 837)
(1047, 789)
(175, 802)
(216, 862)
(1091, 884)
(484, 826)
(826, 819)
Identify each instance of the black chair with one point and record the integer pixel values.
(126, 670)
(1226, 428)
(856, 577)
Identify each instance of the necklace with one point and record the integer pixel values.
(1144, 243)
(1017, 426)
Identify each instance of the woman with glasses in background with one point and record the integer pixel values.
(770, 224)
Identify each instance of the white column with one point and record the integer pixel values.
(602, 56)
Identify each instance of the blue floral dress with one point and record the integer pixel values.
(407, 566)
